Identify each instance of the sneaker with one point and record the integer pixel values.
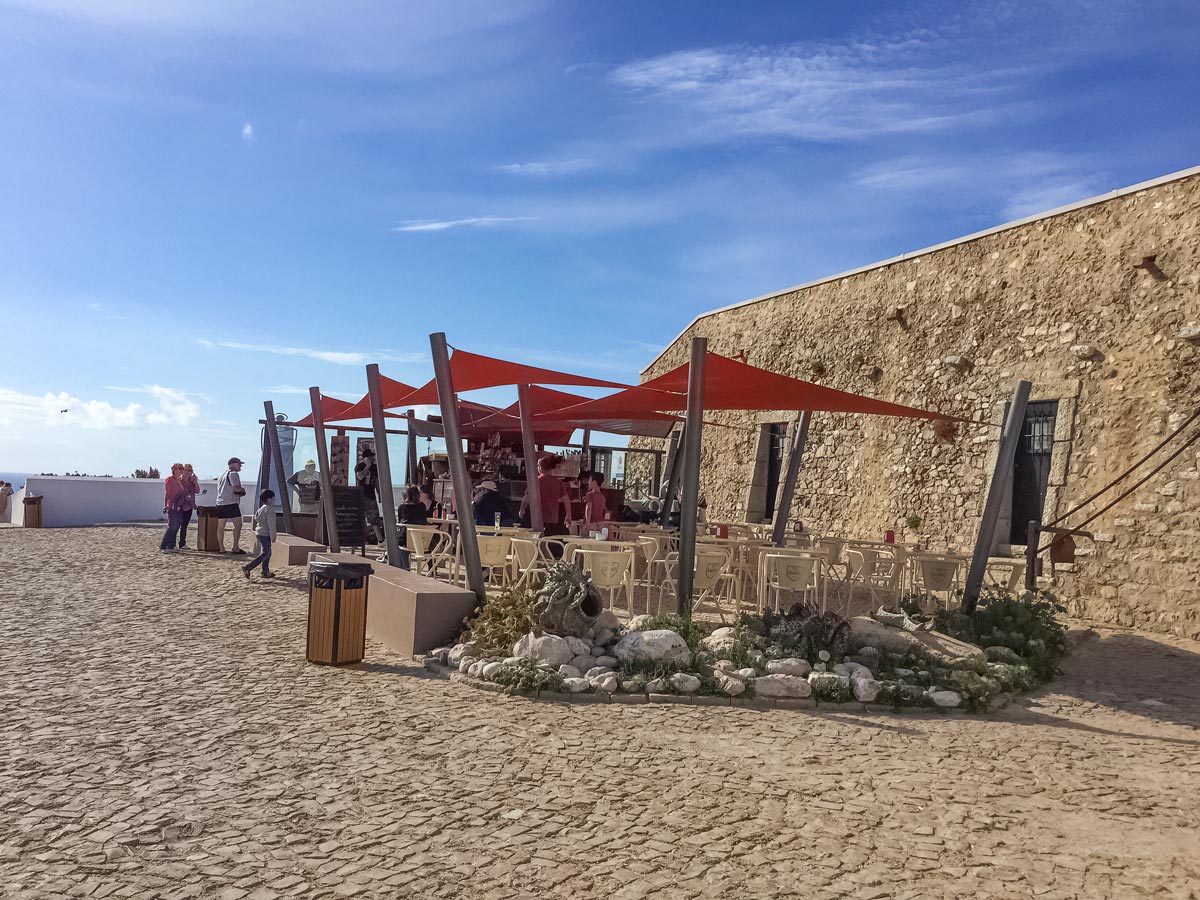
(238, 551)
(266, 575)
(246, 572)
(183, 546)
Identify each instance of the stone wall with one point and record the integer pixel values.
(1062, 301)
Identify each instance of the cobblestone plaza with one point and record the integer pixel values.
(162, 736)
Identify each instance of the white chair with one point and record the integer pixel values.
(794, 573)
(936, 575)
(878, 572)
(711, 579)
(493, 555)
(611, 571)
(524, 559)
(428, 548)
(1007, 576)
(654, 548)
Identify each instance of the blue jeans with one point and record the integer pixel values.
(264, 557)
(187, 517)
(175, 521)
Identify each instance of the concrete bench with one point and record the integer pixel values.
(410, 613)
(292, 550)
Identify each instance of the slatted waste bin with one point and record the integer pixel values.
(208, 530)
(33, 512)
(337, 612)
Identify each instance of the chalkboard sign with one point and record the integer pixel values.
(350, 516)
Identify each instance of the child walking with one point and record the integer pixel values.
(264, 529)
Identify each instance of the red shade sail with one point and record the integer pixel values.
(330, 408)
(392, 392)
(730, 384)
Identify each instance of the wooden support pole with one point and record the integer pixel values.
(795, 457)
(533, 495)
(1010, 436)
(264, 466)
(277, 454)
(585, 453)
(410, 474)
(690, 474)
(673, 456)
(331, 535)
(459, 476)
(383, 462)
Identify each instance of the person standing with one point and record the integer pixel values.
(264, 531)
(229, 495)
(556, 502)
(190, 485)
(173, 504)
(489, 503)
(366, 475)
(411, 512)
(595, 507)
(6, 502)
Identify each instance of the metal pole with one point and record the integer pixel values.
(383, 462)
(277, 454)
(1031, 555)
(537, 516)
(1010, 436)
(664, 517)
(690, 475)
(331, 535)
(411, 464)
(658, 461)
(459, 477)
(585, 454)
(784, 508)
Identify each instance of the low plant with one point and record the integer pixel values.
(1026, 624)
(500, 623)
(802, 632)
(526, 677)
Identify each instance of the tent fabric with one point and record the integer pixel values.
(546, 422)
(330, 407)
(392, 392)
(730, 384)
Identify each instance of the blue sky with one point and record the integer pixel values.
(205, 205)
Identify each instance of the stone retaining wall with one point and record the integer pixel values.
(1065, 302)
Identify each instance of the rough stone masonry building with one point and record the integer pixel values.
(1098, 304)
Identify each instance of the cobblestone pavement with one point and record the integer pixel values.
(162, 736)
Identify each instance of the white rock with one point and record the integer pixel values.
(658, 686)
(465, 663)
(607, 619)
(865, 689)
(512, 660)
(757, 658)
(578, 646)
(596, 650)
(609, 661)
(576, 685)
(441, 654)
(569, 672)
(745, 673)
(685, 683)
(549, 649)
(858, 670)
(606, 683)
(723, 631)
(583, 663)
(789, 666)
(661, 645)
(596, 671)
(782, 686)
(729, 685)
(946, 699)
(475, 670)
(828, 678)
(457, 652)
(490, 670)
(633, 685)
(635, 624)
(727, 665)
(904, 673)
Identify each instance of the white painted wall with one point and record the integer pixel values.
(78, 502)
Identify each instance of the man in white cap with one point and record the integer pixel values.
(229, 495)
(491, 507)
(307, 484)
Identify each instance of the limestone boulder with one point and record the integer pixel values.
(865, 689)
(547, 648)
(685, 683)
(607, 620)
(606, 683)
(729, 685)
(569, 672)
(789, 666)
(578, 646)
(659, 645)
(583, 662)
(946, 699)
(941, 648)
(576, 685)
(774, 686)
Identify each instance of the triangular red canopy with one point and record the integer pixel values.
(330, 407)
(730, 384)
(392, 392)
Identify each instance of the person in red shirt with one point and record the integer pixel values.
(556, 502)
(595, 510)
(174, 503)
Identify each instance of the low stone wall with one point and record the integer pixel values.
(1072, 303)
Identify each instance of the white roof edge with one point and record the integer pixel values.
(1080, 204)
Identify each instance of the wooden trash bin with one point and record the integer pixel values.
(337, 612)
(33, 512)
(208, 530)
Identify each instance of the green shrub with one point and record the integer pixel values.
(1026, 625)
(500, 623)
(526, 677)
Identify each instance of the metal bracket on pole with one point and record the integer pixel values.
(783, 509)
(532, 491)
(459, 476)
(673, 457)
(285, 499)
(690, 475)
(383, 463)
(318, 417)
(1010, 436)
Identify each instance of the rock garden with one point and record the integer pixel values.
(559, 642)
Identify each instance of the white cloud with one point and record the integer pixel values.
(248, 133)
(338, 357)
(548, 168)
(446, 224)
(63, 409)
(296, 390)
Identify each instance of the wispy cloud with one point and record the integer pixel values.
(338, 357)
(248, 133)
(817, 91)
(473, 222)
(295, 389)
(548, 168)
(63, 409)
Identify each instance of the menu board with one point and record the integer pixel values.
(350, 516)
(339, 460)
